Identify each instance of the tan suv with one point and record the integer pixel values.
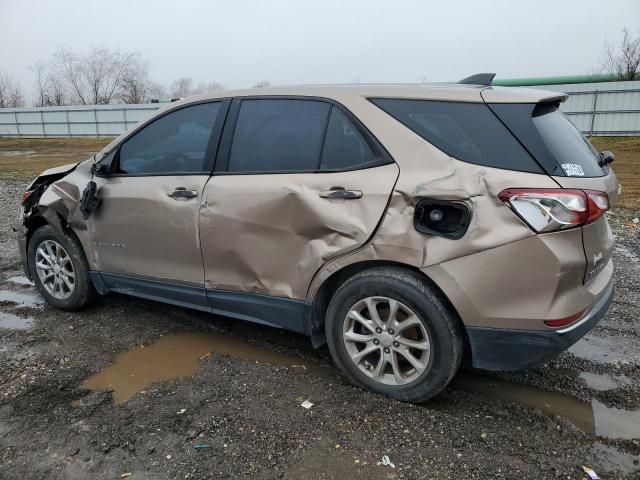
(402, 225)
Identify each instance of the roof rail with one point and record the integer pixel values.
(479, 79)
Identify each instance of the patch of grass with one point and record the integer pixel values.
(26, 158)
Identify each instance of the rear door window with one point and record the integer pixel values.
(344, 146)
(279, 135)
(467, 131)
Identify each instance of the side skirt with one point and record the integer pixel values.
(285, 313)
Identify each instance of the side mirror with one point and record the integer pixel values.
(606, 157)
(101, 169)
(104, 167)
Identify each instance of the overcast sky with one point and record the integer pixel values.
(240, 42)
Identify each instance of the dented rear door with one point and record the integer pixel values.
(299, 183)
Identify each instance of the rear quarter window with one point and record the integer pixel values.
(551, 137)
(467, 131)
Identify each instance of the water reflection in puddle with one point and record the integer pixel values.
(20, 280)
(21, 299)
(178, 356)
(598, 381)
(593, 418)
(604, 349)
(13, 322)
(613, 460)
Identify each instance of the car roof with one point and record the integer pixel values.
(454, 92)
(442, 92)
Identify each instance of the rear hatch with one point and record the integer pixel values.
(570, 159)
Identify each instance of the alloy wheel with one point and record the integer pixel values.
(386, 340)
(55, 269)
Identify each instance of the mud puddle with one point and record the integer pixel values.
(21, 299)
(178, 356)
(592, 418)
(10, 321)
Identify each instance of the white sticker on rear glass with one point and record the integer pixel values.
(573, 170)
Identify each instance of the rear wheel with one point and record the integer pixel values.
(59, 269)
(390, 332)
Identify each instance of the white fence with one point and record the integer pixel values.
(604, 108)
(73, 121)
(607, 108)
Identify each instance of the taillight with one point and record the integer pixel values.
(552, 209)
(598, 204)
(26, 195)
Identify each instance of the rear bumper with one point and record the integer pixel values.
(506, 350)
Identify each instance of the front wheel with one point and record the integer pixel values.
(59, 269)
(390, 332)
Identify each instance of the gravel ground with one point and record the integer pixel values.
(242, 407)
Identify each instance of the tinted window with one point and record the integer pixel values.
(278, 135)
(344, 146)
(176, 142)
(551, 138)
(466, 131)
(571, 149)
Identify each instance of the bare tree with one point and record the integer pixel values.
(10, 92)
(262, 84)
(95, 78)
(135, 86)
(50, 89)
(207, 88)
(156, 91)
(181, 88)
(622, 61)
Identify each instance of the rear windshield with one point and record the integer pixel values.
(467, 131)
(551, 137)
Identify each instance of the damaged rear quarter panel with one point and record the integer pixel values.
(426, 172)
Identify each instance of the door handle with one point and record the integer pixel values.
(341, 194)
(181, 192)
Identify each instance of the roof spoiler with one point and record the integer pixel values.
(485, 79)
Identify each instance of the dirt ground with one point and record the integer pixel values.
(626, 166)
(25, 158)
(191, 395)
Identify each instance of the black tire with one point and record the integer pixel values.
(441, 324)
(83, 294)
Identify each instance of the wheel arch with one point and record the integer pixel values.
(320, 302)
(40, 218)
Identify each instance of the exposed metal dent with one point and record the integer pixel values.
(59, 205)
